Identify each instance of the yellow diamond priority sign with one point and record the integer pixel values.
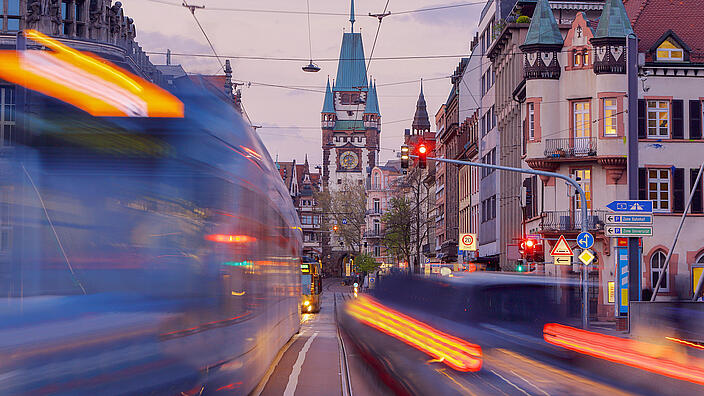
(586, 257)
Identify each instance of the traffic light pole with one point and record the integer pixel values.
(583, 200)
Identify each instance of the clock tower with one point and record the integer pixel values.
(350, 119)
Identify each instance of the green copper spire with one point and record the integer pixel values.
(614, 21)
(543, 28)
(328, 105)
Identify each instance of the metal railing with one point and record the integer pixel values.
(373, 234)
(570, 147)
(572, 221)
(374, 212)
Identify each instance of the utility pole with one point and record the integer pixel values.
(634, 271)
(583, 208)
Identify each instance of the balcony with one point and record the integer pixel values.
(570, 147)
(571, 221)
(377, 212)
(373, 234)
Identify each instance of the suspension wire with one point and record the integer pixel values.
(310, 45)
(193, 12)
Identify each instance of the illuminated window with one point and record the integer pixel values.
(659, 188)
(658, 119)
(577, 58)
(669, 51)
(584, 178)
(657, 269)
(585, 58)
(582, 119)
(7, 115)
(610, 110)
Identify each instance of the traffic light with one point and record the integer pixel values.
(404, 157)
(422, 156)
(334, 227)
(532, 249)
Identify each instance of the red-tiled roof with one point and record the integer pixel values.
(652, 18)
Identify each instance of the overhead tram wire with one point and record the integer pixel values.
(193, 12)
(323, 13)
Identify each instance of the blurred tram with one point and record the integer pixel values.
(311, 284)
(143, 255)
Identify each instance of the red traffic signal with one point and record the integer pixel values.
(334, 227)
(532, 249)
(422, 156)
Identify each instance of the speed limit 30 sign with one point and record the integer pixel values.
(468, 242)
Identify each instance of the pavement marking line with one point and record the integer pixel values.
(293, 378)
(510, 383)
(530, 383)
(606, 388)
(442, 371)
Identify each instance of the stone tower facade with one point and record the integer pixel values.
(350, 119)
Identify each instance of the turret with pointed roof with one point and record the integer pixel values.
(372, 106)
(327, 117)
(542, 45)
(610, 39)
(421, 122)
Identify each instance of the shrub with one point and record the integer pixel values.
(523, 19)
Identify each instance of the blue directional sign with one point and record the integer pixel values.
(631, 206)
(629, 219)
(585, 240)
(344, 221)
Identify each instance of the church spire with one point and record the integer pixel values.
(352, 15)
(421, 123)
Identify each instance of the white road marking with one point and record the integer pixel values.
(293, 378)
(510, 383)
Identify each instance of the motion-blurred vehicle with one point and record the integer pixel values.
(311, 284)
(142, 255)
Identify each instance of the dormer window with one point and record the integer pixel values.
(669, 51)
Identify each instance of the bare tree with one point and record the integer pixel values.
(345, 208)
(417, 194)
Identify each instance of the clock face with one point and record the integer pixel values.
(349, 160)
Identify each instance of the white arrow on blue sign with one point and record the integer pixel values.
(344, 221)
(631, 206)
(585, 240)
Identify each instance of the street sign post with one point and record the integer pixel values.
(586, 257)
(585, 240)
(561, 248)
(562, 260)
(468, 242)
(628, 231)
(643, 219)
(631, 206)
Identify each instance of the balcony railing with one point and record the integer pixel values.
(373, 212)
(572, 221)
(570, 147)
(373, 234)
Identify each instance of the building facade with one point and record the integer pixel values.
(383, 187)
(575, 123)
(302, 185)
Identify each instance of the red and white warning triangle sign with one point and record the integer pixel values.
(562, 248)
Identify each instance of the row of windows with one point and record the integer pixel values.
(489, 209)
(307, 202)
(489, 158)
(582, 118)
(665, 187)
(351, 139)
(350, 98)
(308, 219)
(488, 121)
(488, 80)
(10, 15)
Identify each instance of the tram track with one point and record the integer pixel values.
(346, 383)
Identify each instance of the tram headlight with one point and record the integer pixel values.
(310, 308)
(307, 304)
